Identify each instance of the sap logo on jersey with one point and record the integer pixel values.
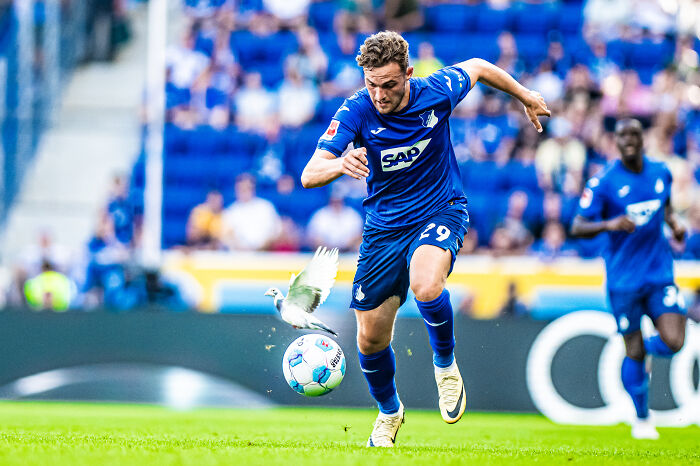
(402, 157)
(641, 212)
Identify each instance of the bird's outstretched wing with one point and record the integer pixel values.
(311, 287)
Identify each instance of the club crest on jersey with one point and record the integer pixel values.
(331, 131)
(428, 118)
(402, 157)
(642, 212)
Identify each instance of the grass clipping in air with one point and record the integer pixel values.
(93, 434)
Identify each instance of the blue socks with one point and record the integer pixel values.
(379, 369)
(439, 320)
(636, 382)
(656, 346)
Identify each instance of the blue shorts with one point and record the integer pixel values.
(653, 300)
(385, 255)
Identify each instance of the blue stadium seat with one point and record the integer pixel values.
(482, 215)
(226, 167)
(248, 6)
(215, 97)
(299, 146)
(206, 139)
(451, 17)
(483, 177)
(322, 14)
(449, 46)
(532, 48)
(520, 176)
(244, 144)
(136, 199)
(327, 108)
(480, 46)
(184, 171)
(414, 38)
(174, 232)
(138, 172)
(577, 48)
(571, 18)
(301, 204)
(272, 73)
(175, 96)
(252, 50)
(494, 21)
(535, 18)
(176, 140)
(650, 54)
(618, 51)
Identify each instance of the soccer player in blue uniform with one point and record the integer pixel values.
(416, 210)
(630, 201)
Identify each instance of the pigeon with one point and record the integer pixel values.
(307, 291)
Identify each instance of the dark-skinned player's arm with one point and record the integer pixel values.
(677, 227)
(324, 167)
(482, 71)
(584, 228)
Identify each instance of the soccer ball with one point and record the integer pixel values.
(313, 365)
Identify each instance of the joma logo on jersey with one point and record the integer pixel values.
(402, 157)
(642, 212)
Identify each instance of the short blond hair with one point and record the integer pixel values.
(383, 48)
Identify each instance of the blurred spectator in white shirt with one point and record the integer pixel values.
(559, 154)
(250, 223)
(185, 64)
(255, 105)
(290, 12)
(336, 226)
(297, 99)
(310, 61)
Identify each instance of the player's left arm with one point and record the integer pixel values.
(677, 227)
(493, 76)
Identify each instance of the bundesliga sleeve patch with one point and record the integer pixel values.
(586, 198)
(331, 131)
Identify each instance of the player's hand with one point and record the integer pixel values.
(621, 223)
(535, 106)
(679, 231)
(354, 163)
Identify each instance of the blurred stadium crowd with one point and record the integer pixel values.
(254, 83)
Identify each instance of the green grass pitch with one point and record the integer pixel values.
(95, 434)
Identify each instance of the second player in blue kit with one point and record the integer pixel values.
(630, 202)
(416, 209)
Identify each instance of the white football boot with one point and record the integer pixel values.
(644, 429)
(385, 429)
(453, 397)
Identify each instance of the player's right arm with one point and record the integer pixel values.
(584, 228)
(587, 222)
(325, 167)
(331, 161)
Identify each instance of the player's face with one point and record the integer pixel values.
(388, 87)
(629, 140)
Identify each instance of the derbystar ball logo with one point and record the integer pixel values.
(402, 157)
(642, 212)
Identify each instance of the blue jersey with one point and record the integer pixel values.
(413, 170)
(633, 260)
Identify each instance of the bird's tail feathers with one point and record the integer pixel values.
(324, 327)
